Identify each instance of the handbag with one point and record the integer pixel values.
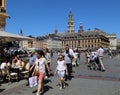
(33, 81)
(36, 73)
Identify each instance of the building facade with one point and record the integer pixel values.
(3, 15)
(118, 42)
(50, 41)
(90, 39)
(82, 39)
(113, 41)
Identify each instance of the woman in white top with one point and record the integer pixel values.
(4, 69)
(40, 64)
(60, 70)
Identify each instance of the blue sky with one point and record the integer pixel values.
(40, 17)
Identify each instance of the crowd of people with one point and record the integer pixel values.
(40, 61)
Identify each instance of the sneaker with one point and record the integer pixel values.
(46, 77)
(60, 87)
(37, 93)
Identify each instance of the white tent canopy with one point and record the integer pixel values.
(7, 37)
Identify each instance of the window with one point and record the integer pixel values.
(0, 3)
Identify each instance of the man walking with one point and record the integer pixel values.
(100, 52)
(68, 56)
(31, 62)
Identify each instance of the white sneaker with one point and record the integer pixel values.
(37, 93)
(60, 87)
(46, 77)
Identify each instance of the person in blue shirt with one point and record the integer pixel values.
(31, 62)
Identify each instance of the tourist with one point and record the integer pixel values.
(100, 52)
(87, 55)
(16, 62)
(31, 62)
(110, 53)
(61, 69)
(4, 69)
(68, 56)
(39, 65)
(49, 60)
(75, 60)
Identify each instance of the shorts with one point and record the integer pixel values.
(61, 74)
(41, 76)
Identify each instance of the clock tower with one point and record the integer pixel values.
(70, 23)
(3, 15)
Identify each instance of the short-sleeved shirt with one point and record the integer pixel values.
(3, 65)
(48, 57)
(32, 59)
(67, 58)
(100, 52)
(40, 64)
(61, 65)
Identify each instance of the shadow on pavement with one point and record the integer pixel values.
(66, 84)
(46, 88)
(47, 81)
(1, 90)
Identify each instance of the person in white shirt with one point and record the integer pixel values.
(4, 69)
(61, 69)
(68, 56)
(100, 52)
(75, 60)
(40, 64)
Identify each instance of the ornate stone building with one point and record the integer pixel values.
(82, 39)
(113, 41)
(50, 41)
(118, 43)
(3, 15)
(76, 39)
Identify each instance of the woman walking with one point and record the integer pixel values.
(40, 64)
(61, 69)
(49, 61)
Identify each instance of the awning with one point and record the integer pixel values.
(8, 37)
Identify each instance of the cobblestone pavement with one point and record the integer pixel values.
(85, 81)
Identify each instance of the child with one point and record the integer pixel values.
(61, 69)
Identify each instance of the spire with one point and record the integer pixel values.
(70, 22)
(21, 32)
(81, 28)
(56, 30)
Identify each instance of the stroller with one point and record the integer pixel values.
(93, 64)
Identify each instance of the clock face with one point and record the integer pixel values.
(0, 3)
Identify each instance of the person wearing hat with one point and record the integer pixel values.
(31, 62)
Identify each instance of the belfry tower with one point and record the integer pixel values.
(3, 15)
(70, 23)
